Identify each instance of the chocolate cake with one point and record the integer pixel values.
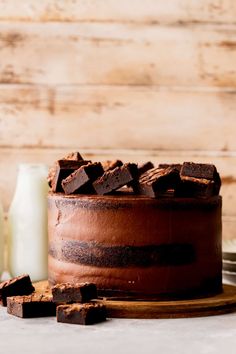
(132, 244)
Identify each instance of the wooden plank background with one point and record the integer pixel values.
(94, 53)
(142, 80)
(150, 11)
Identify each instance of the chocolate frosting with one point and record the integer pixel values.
(135, 244)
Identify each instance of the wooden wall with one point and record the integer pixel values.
(131, 79)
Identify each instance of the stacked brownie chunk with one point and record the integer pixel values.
(74, 175)
(75, 305)
(20, 285)
(19, 295)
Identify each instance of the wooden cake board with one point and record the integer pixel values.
(214, 305)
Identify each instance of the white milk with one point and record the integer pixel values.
(27, 219)
(1, 241)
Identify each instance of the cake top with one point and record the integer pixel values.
(74, 175)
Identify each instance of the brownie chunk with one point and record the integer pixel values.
(178, 166)
(198, 170)
(84, 314)
(116, 178)
(158, 180)
(80, 181)
(195, 187)
(142, 168)
(78, 292)
(16, 286)
(30, 306)
(63, 169)
(74, 156)
(195, 177)
(110, 165)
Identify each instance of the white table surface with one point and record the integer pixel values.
(216, 334)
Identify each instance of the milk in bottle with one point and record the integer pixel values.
(27, 220)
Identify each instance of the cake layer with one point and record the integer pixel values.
(130, 244)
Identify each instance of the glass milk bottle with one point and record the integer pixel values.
(27, 220)
(1, 241)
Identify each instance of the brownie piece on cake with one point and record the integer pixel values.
(35, 305)
(116, 178)
(76, 292)
(198, 180)
(195, 187)
(83, 314)
(80, 181)
(20, 285)
(110, 165)
(64, 168)
(74, 156)
(144, 167)
(158, 180)
(198, 170)
(178, 166)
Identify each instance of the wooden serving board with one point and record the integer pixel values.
(215, 305)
